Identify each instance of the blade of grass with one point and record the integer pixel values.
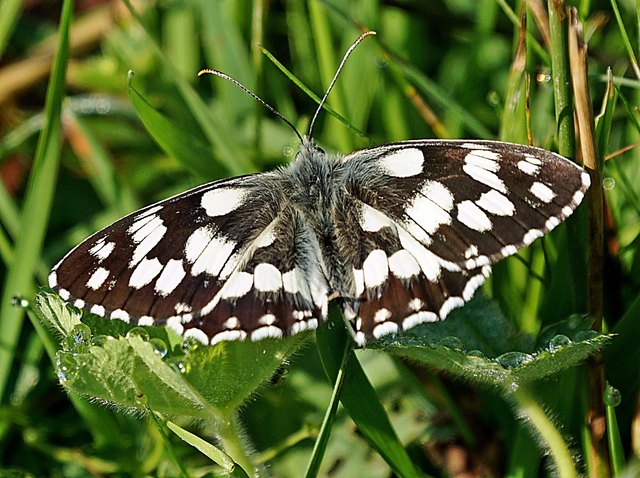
(625, 39)
(359, 398)
(37, 205)
(9, 15)
(598, 450)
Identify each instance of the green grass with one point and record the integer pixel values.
(503, 383)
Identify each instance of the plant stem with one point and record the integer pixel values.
(531, 409)
(327, 423)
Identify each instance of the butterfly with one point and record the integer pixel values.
(398, 235)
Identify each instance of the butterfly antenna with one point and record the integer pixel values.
(335, 78)
(210, 71)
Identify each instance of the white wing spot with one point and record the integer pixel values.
(358, 281)
(473, 217)
(403, 264)
(101, 250)
(214, 256)
(292, 280)
(267, 278)
(403, 163)
(238, 284)
(375, 268)
(97, 278)
(385, 328)
(416, 304)
(79, 303)
(531, 235)
(175, 324)
(483, 159)
(471, 286)
(228, 335)
(97, 310)
(472, 251)
(120, 314)
(418, 318)
(231, 323)
(145, 272)
(170, 278)
(496, 203)
(221, 201)
(182, 308)
(533, 160)
(382, 315)
(373, 220)
(578, 196)
(450, 304)
(542, 192)
(197, 242)
(508, 250)
(145, 320)
(427, 213)
(53, 279)
(551, 223)
(196, 334)
(528, 168)
(426, 259)
(267, 319)
(485, 177)
(266, 332)
(144, 227)
(148, 243)
(439, 194)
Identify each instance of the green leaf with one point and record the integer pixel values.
(176, 141)
(123, 365)
(37, 205)
(360, 399)
(476, 343)
(210, 451)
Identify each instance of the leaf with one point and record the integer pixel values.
(176, 141)
(124, 365)
(213, 453)
(477, 344)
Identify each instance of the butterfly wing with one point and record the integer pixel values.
(198, 263)
(432, 216)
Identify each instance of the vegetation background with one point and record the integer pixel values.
(438, 68)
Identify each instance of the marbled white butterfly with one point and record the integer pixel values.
(399, 234)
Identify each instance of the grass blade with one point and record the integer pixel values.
(37, 205)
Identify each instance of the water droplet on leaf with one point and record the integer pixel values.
(476, 354)
(452, 343)
(79, 339)
(585, 335)
(138, 332)
(612, 396)
(558, 342)
(19, 301)
(67, 367)
(514, 359)
(159, 347)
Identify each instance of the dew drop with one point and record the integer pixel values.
(79, 339)
(612, 396)
(543, 78)
(493, 98)
(180, 365)
(67, 367)
(287, 151)
(608, 184)
(159, 347)
(190, 344)
(476, 354)
(138, 332)
(585, 335)
(514, 359)
(140, 400)
(558, 342)
(452, 343)
(19, 302)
